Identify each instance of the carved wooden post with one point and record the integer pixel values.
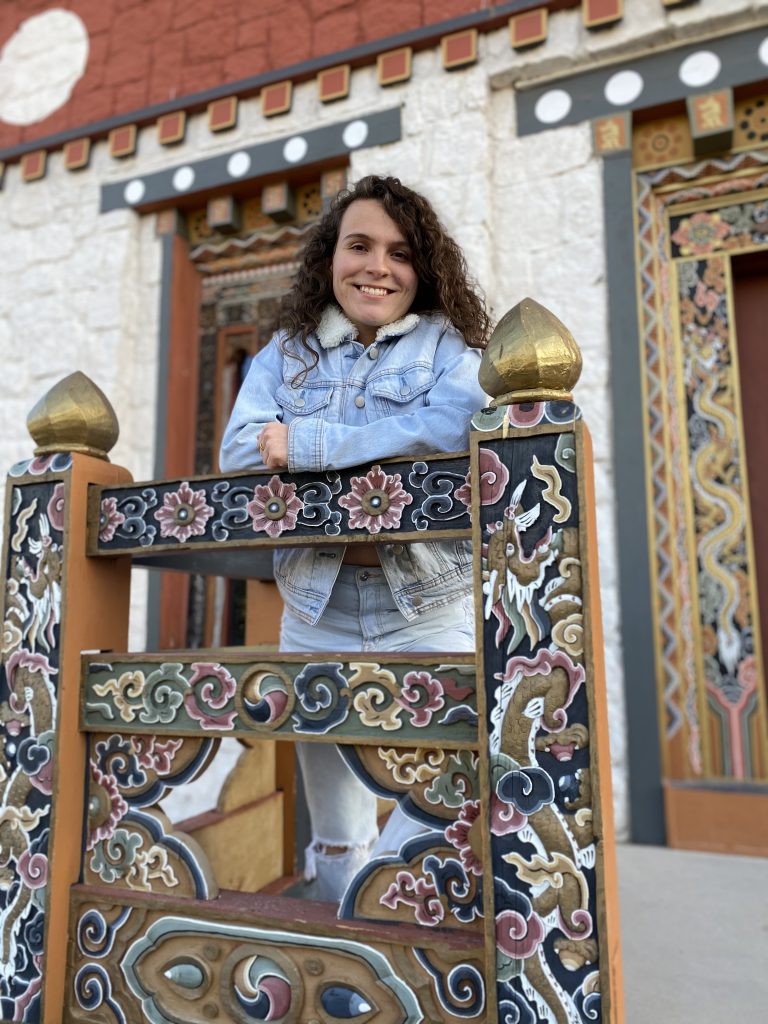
(56, 603)
(552, 930)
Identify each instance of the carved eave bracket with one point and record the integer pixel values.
(531, 357)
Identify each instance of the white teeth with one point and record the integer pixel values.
(368, 290)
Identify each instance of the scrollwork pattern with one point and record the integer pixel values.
(274, 507)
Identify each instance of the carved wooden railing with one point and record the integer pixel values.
(502, 909)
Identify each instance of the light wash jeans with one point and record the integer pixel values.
(361, 616)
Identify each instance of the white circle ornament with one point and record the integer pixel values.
(238, 164)
(183, 179)
(40, 65)
(134, 191)
(553, 106)
(762, 52)
(295, 149)
(355, 134)
(700, 68)
(624, 87)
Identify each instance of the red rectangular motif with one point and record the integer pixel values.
(460, 48)
(333, 83)
(33, 165)
(394, 66)
(528, 29)
(601, 12)
(77, 154)
(122, 140)
(222, 114)
(276, 99)
(171, 128)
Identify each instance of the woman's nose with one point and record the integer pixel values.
(377, 262)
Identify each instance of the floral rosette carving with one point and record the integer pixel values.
(110, 518)
(183, 514)
(376, 501)
(275, 507)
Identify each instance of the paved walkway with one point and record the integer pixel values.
(694, 935)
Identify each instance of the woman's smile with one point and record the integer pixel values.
(374, 280)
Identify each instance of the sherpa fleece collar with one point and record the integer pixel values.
(334, 327)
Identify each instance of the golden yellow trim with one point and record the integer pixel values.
(699, 680)
(649, 507)
(709, 179)
(754, 608)
(715, 203)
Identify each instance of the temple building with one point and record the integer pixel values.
(161, 163)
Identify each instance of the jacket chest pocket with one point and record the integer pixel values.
(401, 391)
(304, 401)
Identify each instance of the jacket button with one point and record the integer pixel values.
(397, 549)
(405, 390)
(373, 352)
(300, 402)
(359, 401)
(417, 602)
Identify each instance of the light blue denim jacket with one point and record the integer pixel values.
(412, 392)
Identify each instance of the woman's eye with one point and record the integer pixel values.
(402, 256)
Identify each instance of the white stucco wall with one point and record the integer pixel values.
(81, 290)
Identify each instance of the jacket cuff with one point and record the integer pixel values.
(305, 445)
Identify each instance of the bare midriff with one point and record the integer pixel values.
(362, 554)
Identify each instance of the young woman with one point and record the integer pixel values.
(378, 357)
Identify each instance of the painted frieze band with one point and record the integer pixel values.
(404, 498)
(337, 700)
(135, 960)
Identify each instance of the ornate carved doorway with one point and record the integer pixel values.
(702, 240)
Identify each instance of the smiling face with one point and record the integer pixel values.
(374, 280)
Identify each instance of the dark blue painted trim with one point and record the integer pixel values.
(322, 144)
(645, 794)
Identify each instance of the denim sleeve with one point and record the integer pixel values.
(442, 425)
(255, 406)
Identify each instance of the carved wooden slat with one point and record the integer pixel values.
(398, 700)
(255, 958)
(397, 498)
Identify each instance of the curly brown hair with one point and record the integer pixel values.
(444, 283)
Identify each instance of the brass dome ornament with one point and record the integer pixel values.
(531, 357)
(74, 416)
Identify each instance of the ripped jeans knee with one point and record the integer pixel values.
(334, 865)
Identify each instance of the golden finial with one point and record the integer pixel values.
(74, 416)
(531, 357)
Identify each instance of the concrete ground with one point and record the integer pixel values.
(694, 936)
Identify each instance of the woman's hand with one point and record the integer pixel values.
(273, 445)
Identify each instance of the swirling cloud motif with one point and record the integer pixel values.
(494, 477)
(321, 705)
(518, 936)
(516, 1009)
(211, 687)
(527, 789)
(418, 893)
(40, 65)
(553, 490)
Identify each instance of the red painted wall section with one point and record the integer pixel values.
(144, 52)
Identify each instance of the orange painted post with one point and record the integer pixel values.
(57, 602)
(551, 914)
